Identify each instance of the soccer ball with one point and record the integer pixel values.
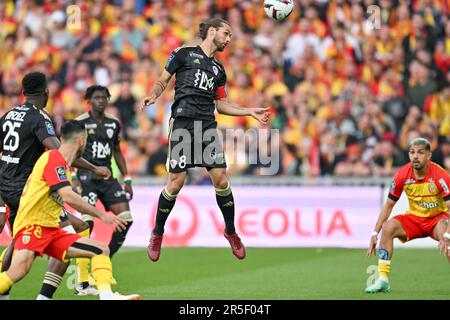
(278, 9)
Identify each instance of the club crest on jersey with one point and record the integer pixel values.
(432, 187)
(173, 163)
(61, 173)
(216, 71)
(26, 239)
(110, 133)
(50, 128)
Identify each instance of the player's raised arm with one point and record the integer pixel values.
(158, 88)
(224, 106)
(81, 163)
(76, 202)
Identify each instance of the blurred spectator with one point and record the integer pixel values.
(387, 159)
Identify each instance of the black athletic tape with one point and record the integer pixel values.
(87, 247)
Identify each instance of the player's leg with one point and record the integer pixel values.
(56, 269)
(392, 229)
(114, 199)
(83, 287)
(12, 201)
(166, 203)
(121, 210)
(439, 227)
(89, 194)
(101, 265)
(225, 201)
(20, 266)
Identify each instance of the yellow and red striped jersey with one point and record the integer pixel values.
(40, 203)
(426, 196)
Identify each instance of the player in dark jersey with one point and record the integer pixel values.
(199, 90)
(103, 142)
(25, 132)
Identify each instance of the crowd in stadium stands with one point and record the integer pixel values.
(348, 89)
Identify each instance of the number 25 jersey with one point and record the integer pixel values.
(22, 130)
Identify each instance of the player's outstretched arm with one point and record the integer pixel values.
(382, 218)
(224, 106)
(76, 202)
(158, 88)
(81, 163)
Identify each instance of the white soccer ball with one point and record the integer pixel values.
(278, 9)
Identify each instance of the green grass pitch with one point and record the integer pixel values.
(270, 274)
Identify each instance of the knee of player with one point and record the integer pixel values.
(174, 186)
(18, 272)
(222, 183)
(388, 229)
(126, 216)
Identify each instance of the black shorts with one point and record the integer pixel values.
(109, 192)
(12, 200)
(194, 143)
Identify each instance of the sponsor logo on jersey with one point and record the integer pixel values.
(91, 131)
(110, 133)
(410, 181)
(197, 61)
(90, 126)
(202, 81)
(429, 205)
(193, 54)
(9, 159)
(22, 108)
(61, 173)
(50, 129)
(100, 150)
(110, 125)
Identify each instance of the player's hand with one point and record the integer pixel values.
(103, 172)
(147, 102)
(129, 189)
(118, 223)
(2, 221)
(261, 114)
(443, 248)
(76, 186)
(372, 246)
